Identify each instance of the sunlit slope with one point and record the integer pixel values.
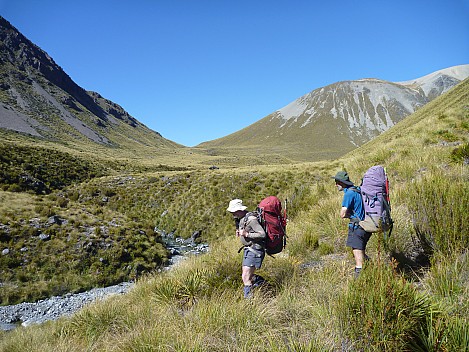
(432, 133)
(322, 141)
(333, 120)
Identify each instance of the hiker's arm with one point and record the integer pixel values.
(255, 230)
(344, 213)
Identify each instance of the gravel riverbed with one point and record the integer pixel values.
(54, 307)
(26, 313)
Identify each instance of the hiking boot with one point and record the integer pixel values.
(357, 272)
(257, 281)
(247, 291)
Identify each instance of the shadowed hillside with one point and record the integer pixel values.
(39, 99)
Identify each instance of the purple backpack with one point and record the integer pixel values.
(375, 194)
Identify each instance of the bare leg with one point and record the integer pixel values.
(359, 255)
(247, 273)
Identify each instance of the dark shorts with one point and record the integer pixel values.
(253, 257)
(357, 238)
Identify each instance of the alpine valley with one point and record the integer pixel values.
(39, 99)
(90, 197)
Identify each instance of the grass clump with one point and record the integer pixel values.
(438, 205)
(380, 311)
(461, 154)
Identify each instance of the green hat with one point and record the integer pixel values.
(342, 176)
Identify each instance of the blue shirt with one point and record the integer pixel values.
(354, 204)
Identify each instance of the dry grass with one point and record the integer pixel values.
(12, 204)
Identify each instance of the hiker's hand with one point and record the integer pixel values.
(344, 213)
(241, 233)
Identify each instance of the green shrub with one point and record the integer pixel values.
(438, 206)
(62, 202)
(431, 334)
(380, 311)
(449, 278)
(446, 135)
(442, 332)
(325, 248)
(461, 154)
(457, 334)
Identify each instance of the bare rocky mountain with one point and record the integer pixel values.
(332, 120)
(38, 98)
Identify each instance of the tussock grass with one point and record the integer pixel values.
(443, 231)
(448, 280)
(14, 204)
(381, 311)
(221, 321)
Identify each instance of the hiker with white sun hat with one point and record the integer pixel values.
(252, 236)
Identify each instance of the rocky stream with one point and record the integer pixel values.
(26, 313)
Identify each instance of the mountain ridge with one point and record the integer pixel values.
(332, 120)
(39, 99)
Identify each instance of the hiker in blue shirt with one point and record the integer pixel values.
(352, 209)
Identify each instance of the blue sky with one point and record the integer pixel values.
(197, 70)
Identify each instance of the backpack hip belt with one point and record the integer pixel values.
(254, 247)
(257, 246)
(258, 250)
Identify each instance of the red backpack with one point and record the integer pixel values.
(274, 223)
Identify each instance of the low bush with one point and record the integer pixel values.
(438, 206)
(380, 311)
(461, 154)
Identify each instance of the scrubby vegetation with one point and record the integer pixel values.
(411, 296)
(41, 170)
(54, 247)
(109, 229)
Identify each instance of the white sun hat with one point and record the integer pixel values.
(235, 205)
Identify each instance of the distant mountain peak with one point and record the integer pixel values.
(332, 120)
(460, 72)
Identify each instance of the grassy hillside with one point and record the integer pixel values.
(412, 296)
(38, 98)
(327, 122)
(293, 143)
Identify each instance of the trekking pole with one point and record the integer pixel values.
(285, 212)
(388, 198)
